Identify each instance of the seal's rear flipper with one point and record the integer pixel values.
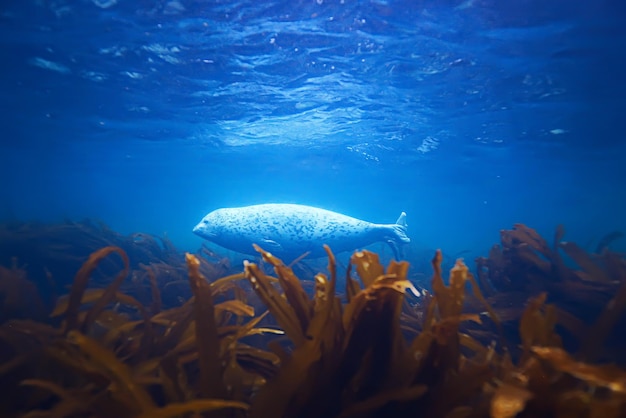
(399, 230)
(402, 220)
(399, 236)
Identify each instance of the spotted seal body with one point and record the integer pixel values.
(289, 230)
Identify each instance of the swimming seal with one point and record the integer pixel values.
(290, 230)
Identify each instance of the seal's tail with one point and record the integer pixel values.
(399, 229)
(399, 236)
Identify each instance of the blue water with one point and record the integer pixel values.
(468, 115)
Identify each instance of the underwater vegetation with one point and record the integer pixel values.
(533, 334)
(51, 254)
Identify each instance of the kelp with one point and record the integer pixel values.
(19, 296)
(258, 344)
(352, 359)
(50, 255)
(525, 260)
(327, 339)
(591, 286)
(142, 361)
(362, 366)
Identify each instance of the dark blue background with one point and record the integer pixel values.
(470, 116)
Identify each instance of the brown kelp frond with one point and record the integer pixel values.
(368, 266)
(90, 296)
(174, 410)
(112, 368)
(155, 292)
(537, 325)
(80, 285)
(279, 307)
(19, 297)
(607, 376)
(209, 358)
(291, 285)
(71, 402)
(508, 401)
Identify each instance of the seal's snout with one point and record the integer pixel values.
(205, 230)
(198, 228)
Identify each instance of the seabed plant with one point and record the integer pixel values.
(506, 343)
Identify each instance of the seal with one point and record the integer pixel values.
(290, 230)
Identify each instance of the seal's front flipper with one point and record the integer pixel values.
(271, 246)
(397, 252)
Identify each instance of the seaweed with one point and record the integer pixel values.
(255, 343)
(50, 255)
(586, 289)
(19, 296)
(140, 367)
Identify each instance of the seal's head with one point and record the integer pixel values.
(211, 226)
